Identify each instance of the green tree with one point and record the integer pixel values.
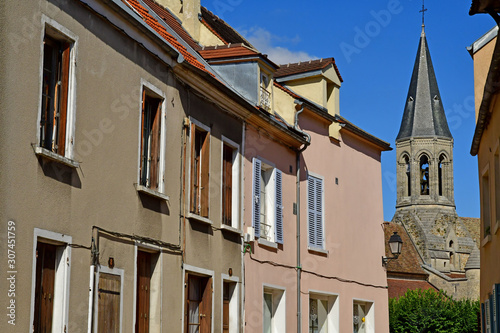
(421, 311)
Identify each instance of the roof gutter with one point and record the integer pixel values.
(491, 87)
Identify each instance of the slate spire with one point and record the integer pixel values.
(423, 115)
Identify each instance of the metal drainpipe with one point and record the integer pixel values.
(299, 267)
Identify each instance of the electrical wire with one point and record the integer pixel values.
(317, 274)
(172, 247)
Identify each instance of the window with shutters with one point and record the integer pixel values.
(151, 171)
(315, 212)
(55, 119)
(200, 169)
(198, 304)
(148, 296)
(50, 281)
(230, 183)
(267, 210)
(274, 310)
(230, 304)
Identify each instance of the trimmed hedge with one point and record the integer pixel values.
(420, 311)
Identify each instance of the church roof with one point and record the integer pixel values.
(424, 113)
(474, 261)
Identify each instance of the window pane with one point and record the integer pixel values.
(268, 310)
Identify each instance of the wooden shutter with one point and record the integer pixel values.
(315, 211)
(206, 307)
(205, 175)
(143, 157)
(109, 303)
(155, 148)
(227, 184)
(63, 106)
(279, 208)
(257, 165)
(194, 171)
(143, 291)
(44, 288)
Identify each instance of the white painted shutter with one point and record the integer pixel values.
(279, 208)
(315, 211)
(256, 196)
(319, 212)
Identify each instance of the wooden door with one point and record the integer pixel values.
(109, 303)
(143, 292)
(44, 288)
(225, 307)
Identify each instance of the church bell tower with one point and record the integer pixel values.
(424, 145)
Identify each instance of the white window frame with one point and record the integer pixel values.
(65, 34)
(234, 315)
(61, 279)
(333, 311)
(270, 203)
(113, 271)
(278, 319)
(323, 243)
(236, 182)
(158, 93)
(155, 298)
(369, 315)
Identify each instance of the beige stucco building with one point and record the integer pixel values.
(150, 183)
(485, 145)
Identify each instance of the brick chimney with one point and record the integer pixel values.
(191, 9)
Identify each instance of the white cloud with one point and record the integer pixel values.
(266, 43)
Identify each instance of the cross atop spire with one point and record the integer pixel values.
(423, 15)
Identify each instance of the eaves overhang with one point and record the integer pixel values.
(300, 76)
(491, 88)
(133, 17)
(348, 126)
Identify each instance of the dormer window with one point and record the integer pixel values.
(265, 94)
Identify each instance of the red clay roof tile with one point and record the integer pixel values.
(172, 21)
(398, 287)
(229, 51)
(409, 260)
(307, 66)
(153, 23)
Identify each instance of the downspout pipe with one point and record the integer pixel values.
(297, 191)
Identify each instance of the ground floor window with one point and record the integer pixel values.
(273, 313)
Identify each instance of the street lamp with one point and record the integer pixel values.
(395, 244)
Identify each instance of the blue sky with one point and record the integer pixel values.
(374, 44)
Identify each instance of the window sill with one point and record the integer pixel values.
(267, 243)
(231, 229)
(150, 192)
(199, 218)
(486, 240)
(45, 153)
(317, 250)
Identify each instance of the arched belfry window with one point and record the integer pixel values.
(407, 175)
(442, 158)
(424, 175)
